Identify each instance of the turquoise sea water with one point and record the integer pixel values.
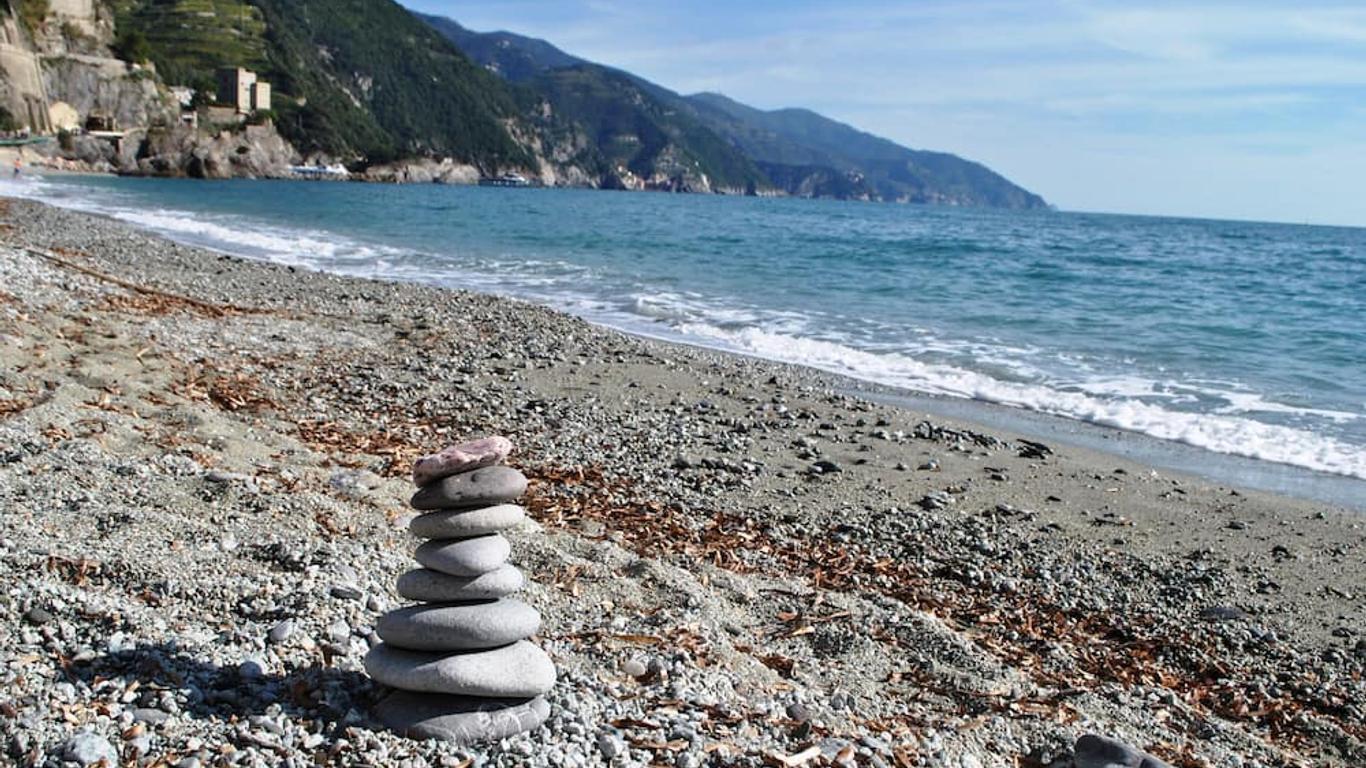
(1241, 338)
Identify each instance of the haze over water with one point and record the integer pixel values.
(1243, 338)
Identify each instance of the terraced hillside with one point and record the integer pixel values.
(189, 39)
(360, 80)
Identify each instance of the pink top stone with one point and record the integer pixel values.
(483, 452)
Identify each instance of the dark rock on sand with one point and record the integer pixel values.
(459, 719)
(1094, 751)
(482, 487)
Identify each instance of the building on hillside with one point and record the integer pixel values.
(260, 96)
(239, 89)
(101, 122)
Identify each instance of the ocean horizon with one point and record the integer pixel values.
(1239, 338)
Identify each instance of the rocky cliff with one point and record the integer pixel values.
(103, 85)
(59, 60)
(178, 150)
(23, 101)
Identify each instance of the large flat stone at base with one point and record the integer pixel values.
(459, 626)
(459, 719)
(436, 587)
(517, 670)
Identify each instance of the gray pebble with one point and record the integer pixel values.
(455, 627)
(88, 748)
(346, 592)
(465, 557)
(1093, 751)
(281, 632)
(457, 524)
(251, 669)
(436, 587)
(37, 616)
(520, 670)
(150, 715)
(338, 631)
(611, 746)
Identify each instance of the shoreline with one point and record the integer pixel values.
(1192, 462)
(1189, 459)
(203, 446)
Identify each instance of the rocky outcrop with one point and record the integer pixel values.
(423, 171)
(668, 174)
(77, 27)
(106, 86)
(66, 60)
(255, 151)
(21, 84)
(564, 158)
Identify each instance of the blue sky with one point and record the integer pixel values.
(1238, 110)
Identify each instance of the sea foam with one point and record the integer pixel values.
(1216, 416)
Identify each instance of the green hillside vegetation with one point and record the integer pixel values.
(796, 150)
(817, 181)
(635, 124)
(31, 13)
(635, 129)
(515, 57)
(361, 80)
(375, 81)
(188, 40)
(893, 172)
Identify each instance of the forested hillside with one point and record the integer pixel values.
(356, 79)
(795, 151)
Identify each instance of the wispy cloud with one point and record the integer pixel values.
(1161, 107)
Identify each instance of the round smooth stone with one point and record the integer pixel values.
(480, 488)
(436, 587)
(461, 458)
(518, 670)
(460, 523)
(465, 557)
(459, 719)
(459, 626)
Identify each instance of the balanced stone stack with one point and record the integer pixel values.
(459, 659)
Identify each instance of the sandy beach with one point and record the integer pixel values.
(203, 477)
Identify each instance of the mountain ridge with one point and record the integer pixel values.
(796, 151)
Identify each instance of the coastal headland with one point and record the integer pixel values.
(202, 472)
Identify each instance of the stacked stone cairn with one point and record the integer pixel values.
(459, 660)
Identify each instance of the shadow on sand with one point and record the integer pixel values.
(317, 692)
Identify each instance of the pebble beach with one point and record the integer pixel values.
(205, 468)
